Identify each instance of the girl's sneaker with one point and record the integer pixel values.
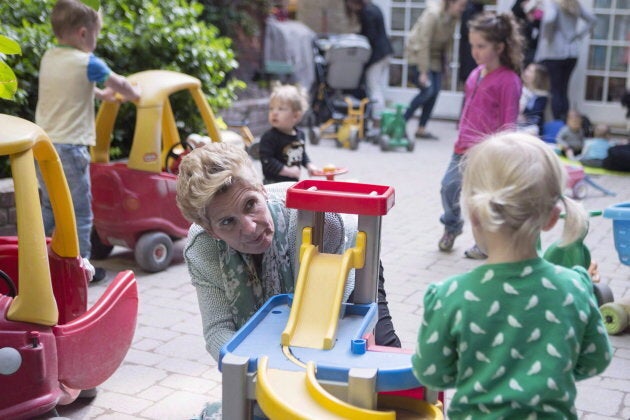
(475, 253)
(447, 241)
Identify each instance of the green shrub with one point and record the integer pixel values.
(137, 35)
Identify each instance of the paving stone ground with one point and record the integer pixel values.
(167, 373)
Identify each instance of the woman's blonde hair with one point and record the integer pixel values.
(513, 181)
(208, 171)
(571, 7)
(295, 96)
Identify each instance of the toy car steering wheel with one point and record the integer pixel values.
(175, 155)
(10, 284)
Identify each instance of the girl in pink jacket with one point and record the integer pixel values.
(491, 104)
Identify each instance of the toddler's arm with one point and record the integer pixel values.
(119, 84)
(311, 168)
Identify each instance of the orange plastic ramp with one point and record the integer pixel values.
(286, 394)
(318, 295)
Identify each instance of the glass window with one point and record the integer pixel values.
(619, 58)
(601, 27)
(395, 75)
(398, 44)
(597, 57)
(621, 28)
(594, 88)
(623, 4)
(398, 19)
(602, 4)
(616, 89)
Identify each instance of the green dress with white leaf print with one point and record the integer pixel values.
(512, 339)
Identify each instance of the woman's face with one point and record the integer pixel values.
(241, 218)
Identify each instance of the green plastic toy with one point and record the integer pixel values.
(393, 130)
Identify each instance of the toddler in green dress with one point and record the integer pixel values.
(513, 335)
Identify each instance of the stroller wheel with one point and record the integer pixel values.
(312, 136)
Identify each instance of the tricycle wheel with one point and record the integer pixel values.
(410, 145)
(154, 251)
(615, 317)
(603, 293)
(353, 140)
(99, 250)
(580, 190)
(384, 142)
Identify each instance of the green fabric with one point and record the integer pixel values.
(512, 339)
(575, 253)
(591, 170)
(246, 288)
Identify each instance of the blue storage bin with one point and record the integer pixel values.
(620, 214)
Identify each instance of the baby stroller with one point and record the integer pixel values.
(339, 105)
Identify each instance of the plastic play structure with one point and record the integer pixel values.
(394, 130)
(134, 201)
(309, 355)
(51, 345)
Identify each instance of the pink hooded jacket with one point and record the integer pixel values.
(491, 105)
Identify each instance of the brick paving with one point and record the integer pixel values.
(167, 373)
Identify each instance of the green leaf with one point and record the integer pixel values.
(9, 46)
(8, 82)
(94, 4)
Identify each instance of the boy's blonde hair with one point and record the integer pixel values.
(295, 96)
(541, 77)
(211, 170)
(601, 130)
(70, 15)
(512, 181)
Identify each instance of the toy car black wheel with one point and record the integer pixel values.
(99, 250)
(603, 293)
(154, 251)
(410, 145)
(12, 290)
(384, 142)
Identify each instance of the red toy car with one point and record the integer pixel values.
(51, 345)
(134, 201)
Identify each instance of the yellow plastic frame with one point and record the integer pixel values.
(155, 131)
(25, 142)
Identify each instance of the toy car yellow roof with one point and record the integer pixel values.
(155, 131)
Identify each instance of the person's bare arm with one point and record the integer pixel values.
(119, 84)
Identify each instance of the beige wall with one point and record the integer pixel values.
(325, 16)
